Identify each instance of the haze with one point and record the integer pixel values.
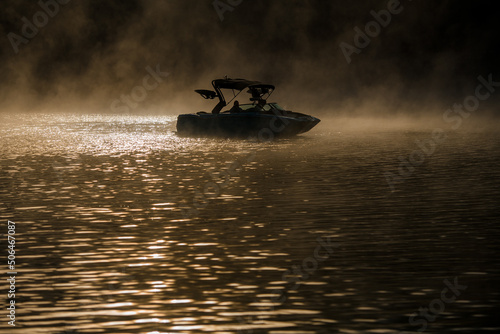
(427, 57)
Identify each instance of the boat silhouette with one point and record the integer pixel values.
(256, 118)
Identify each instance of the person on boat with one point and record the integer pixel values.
(236, 107)
(259, 107)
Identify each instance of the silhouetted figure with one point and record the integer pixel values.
(260, 106)
(236, 107)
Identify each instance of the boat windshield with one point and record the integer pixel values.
(250, 106)
(276, 106)
(246, 106)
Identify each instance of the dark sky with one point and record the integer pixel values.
(90, 52)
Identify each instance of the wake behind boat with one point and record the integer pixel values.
(257, 118)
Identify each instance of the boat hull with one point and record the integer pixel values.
(263, 126)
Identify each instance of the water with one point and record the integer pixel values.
(123, 227)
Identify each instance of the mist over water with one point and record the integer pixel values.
(381, 219)
(90, 53)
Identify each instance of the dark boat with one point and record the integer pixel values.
(255, 119)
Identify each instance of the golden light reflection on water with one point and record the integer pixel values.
(105, 245)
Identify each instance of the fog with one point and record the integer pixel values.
(427, 57)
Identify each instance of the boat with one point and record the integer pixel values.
(256, 119)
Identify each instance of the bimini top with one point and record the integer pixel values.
(256, 89)
(238, 84)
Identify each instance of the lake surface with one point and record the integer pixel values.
(123, 227)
